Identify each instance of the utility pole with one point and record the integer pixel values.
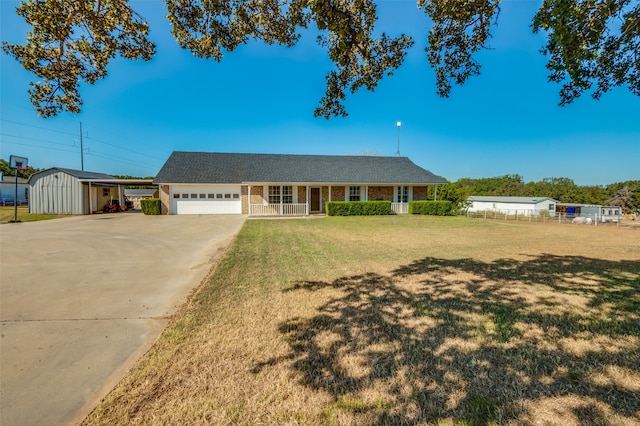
(81, 150)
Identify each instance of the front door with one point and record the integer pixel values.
(315, 199)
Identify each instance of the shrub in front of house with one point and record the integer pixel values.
(432, 208)
(150, 206)
(358, 208)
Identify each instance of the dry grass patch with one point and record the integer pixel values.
(401, 320)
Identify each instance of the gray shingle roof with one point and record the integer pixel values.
(213, 167)
(79, 174)
(82, 174)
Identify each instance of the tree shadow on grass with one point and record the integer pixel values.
(475, 341)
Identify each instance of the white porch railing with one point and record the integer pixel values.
(298, 209)
(400, 208)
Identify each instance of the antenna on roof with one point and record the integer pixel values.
(398, 151)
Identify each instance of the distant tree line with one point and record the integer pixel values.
(623, 194)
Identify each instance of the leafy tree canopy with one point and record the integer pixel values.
(592, 45)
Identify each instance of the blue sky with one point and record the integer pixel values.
(261, 99)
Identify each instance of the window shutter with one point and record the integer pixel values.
(265, 195)
(346, 193)
(410, 195)
(295, 194)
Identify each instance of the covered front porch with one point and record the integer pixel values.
(303, 200)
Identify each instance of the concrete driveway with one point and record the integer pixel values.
(82, 298)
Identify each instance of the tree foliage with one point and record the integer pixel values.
(8, 171)
(73, 41)
(590, 42)
(625, 198)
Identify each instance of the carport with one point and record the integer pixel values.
(75, 192)
(94, 185)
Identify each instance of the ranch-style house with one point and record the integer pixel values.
(286, 185)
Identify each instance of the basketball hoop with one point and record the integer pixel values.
(17, 163)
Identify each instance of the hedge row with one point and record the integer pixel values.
(150, 205)
(433, 208)
(358, 208)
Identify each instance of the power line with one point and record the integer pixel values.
(33, 139)
(37, 127)
(124, 149)
(37, 146)
(85, 137)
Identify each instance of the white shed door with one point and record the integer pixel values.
(206, 199)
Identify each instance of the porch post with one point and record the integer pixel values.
(307, 197)
(90, 204)
(249, 199)
(435, 192)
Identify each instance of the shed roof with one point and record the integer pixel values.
(94, 177)
(78, 174)
(503, 199)
(214, 167)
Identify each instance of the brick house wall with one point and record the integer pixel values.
(302, 194)
(244, 196)
(165, 201)
(381, 193)
(337, 193)
(420, 193)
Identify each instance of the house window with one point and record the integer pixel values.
(551, 207)
(227, 196)
(274, 195)
(403, 194)
(354, 193)
(287, 195)
(176, 195)
(194, 195)
(218, 195)
(203, 195)
(211, 195)
(236, 196)
(281, 194)
(185, 195)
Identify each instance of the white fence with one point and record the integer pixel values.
(400, 208)
(535, 216)
(298, 209)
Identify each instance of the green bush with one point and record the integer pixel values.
(358, 208)
(150, 206)
(433, 208)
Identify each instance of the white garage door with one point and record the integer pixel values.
(206, 200)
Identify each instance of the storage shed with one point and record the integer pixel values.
(67, 191)
(528, 206)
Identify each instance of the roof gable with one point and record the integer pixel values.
(211, 167)
(78, 174)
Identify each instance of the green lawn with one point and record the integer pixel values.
(401, 320)
(8, 213)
